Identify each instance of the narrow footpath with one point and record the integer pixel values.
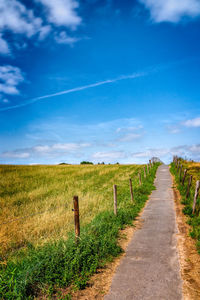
(150, 268)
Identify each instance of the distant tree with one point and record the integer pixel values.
(63, 164)
(117, 163)
(86, 163)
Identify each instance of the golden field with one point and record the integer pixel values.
(36, 201)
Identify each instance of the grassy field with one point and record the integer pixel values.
(27, 190)
(194, 220)
(38, 252)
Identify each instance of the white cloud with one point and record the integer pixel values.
(10, 78)
(13, 154)
(4, 48)
(44, 31)
(44, 150)
(63, 147)
(172, 10)
(129, 133)
(62, 12)
(108, 155)
(129, 137)
(173, 129)
(189, 151)
(63, 38)
(192, 122)
(16, 18)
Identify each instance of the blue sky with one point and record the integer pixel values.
(99, 80)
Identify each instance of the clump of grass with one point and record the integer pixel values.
(193, 219)
(45, 268)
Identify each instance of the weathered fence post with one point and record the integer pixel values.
(131, 189)
(145, 172)
(196, 195)
(180, 172)
(176, 162)
(184, 176)
(189, 186)
(115, 198)
(140, 178)
(76, 217)
(178, 166)
(147, 168)
(150, 163)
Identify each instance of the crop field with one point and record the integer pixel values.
(193, 168)
(38, 249)
(26, 191)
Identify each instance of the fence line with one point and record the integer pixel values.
(76, 205)
(179, 167)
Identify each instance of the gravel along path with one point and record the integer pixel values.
(150, 269)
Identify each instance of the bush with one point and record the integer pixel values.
(86, 163)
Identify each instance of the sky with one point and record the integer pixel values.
(99, 80)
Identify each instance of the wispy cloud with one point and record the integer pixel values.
(129, 137)
(77, 89)
(189, 151)
(64, 38)
(10, 78)
(4, 48)
(54, 150)
(172, 10)
(192, 122)
(108, 156)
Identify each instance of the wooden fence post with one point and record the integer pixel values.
(147, 168)
(189, 186)
(115, 198)
(184, 176)
(76, 217)
(176, 162)
(140, 178)
(150, 163)
(178, 166)
(145, 172)
(196, 195)
(131, 189)
(180, 172)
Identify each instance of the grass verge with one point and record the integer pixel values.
(45, 269)
(193, 219)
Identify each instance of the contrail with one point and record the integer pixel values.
(80, 88)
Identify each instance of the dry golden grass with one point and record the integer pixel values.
(193, 169)
(28, 190)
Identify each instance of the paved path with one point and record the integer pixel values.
(150, 268)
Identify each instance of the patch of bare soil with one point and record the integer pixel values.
(100, 282)
(189, 258)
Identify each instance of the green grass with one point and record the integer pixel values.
(193, 219)
(44, 267)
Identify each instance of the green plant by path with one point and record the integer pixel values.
(193, 219)
(44, 269)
